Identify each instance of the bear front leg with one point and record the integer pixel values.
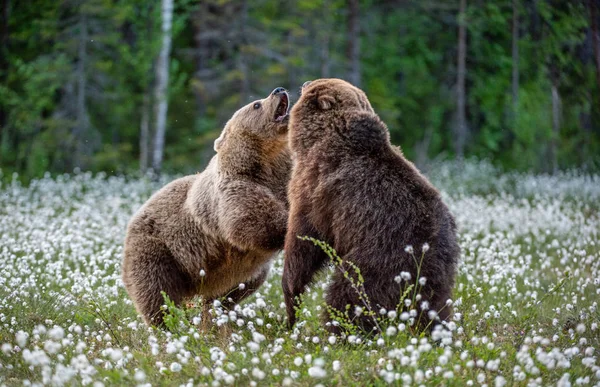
(238, 294)
(302, 260)
(251, 217)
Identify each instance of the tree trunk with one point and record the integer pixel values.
(325, 55)
(82, 118)
(595, 38)
(460, 135)
(4, 14)
(515, 60)
(241, 58)
(199, 23)
(556, 113)
(323, 36)
(145, 132)
(353, 47)
(162, 84)
(422, 149)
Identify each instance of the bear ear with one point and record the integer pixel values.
(325, 102)
(219, 142)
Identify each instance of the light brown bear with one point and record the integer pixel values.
(205, 234)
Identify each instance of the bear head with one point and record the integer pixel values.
(256, 135)
(261, 121)
(334, 113)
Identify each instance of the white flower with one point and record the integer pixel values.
(52, 347)
(425, 247)
(317, 372)
(175, 367)
(298, 361)
(56, 333)
(258, 373)
(21, 338)
(409, 249)
(6, 348)
(116, 354)
(260, 303)
(139, 376)
(202, 273)
(336, 365)
(257, 337)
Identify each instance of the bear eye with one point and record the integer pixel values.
(257, 105)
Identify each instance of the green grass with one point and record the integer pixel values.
(525, 300)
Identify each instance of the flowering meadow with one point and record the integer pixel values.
(525, 302)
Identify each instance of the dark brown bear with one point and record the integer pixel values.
(207, 233)
(353, 190)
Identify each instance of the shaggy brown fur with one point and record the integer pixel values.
(352, 189)
(229, 220)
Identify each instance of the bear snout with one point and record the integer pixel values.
(278, 90)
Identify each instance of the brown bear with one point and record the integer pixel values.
(205, 234)
(353, 190)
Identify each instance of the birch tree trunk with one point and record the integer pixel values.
(145, 133)
(162, 84)
(353, 48)
(460, 135)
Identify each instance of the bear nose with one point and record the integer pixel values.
(278, 90)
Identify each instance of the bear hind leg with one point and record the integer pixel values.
(343, 298)
(148, 272)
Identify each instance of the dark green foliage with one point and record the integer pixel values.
(74, 74)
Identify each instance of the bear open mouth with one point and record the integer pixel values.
(281, 112)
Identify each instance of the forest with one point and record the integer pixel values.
(124, 86)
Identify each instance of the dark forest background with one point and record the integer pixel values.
(126, 85)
